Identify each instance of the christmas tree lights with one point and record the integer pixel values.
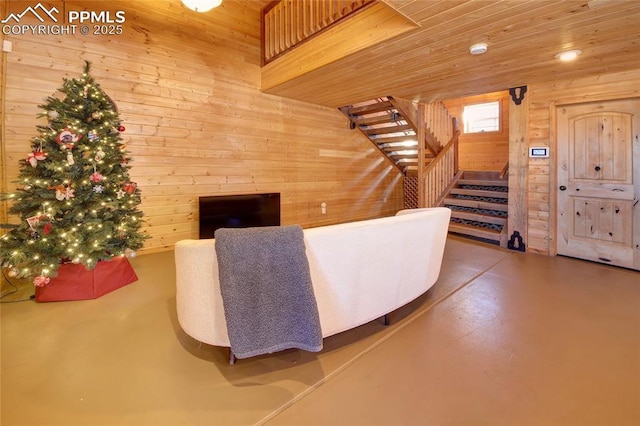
(74, 197)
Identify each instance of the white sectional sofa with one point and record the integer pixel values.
(360, 271)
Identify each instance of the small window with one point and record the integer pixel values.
(483, 117)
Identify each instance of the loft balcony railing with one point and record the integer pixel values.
(288, 23)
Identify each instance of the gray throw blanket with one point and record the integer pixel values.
(266, 288)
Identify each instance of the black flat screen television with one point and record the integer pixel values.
(238, 211)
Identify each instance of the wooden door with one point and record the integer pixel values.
(599, 182)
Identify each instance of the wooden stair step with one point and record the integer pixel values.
(484, 182)
(389, 139)
(396, 146)
(375, 119)
(479, 217)
(387, 130)
(479, 193)
(397, 157)
(371, 108)
(474, 231)
(476, 174)
(407, 161)
(390, 149)
(485, 205)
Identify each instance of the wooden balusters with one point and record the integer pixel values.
(287, 23)
(436, 177)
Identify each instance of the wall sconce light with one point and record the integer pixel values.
(568, 55)
(201, 5)
(478, 48)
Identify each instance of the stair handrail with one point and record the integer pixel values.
(288, 23)
(505, 171)
(440, 174)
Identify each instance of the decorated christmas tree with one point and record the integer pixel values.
(74, 196)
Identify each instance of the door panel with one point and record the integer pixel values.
(598, 213)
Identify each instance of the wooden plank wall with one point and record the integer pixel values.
(541, 187)
(187, 88)
(482, 151)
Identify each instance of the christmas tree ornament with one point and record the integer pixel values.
(41, 281)
(93, 136)
(121, 128)
(68, 139)
(129, 187)
(53, 114)
(98, 189)
(95, 115)
(96, 177)
(70, 160)
(99, 155)
(69, 193)
(46, 229)
(35, 221)
(63, 192)
(120, 193)
(36, 156)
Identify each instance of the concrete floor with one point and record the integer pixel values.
(503, 338)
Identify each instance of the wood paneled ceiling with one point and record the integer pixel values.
(432, 62)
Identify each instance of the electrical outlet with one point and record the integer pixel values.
(7, 46)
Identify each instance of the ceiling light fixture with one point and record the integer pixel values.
(568, 55)
(478, 48)
(201, 5)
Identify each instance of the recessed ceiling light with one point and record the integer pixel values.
(478, 48)
(568, 55)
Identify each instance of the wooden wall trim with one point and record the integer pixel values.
(553, 181)
(421, 136)
(518, 162)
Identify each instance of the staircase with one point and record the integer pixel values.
(478, 203)
(478, 200)
(391, 125)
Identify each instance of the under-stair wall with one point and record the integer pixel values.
(411, 192)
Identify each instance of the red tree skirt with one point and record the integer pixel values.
(75, 282)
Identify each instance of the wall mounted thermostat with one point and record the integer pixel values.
(539, 152)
